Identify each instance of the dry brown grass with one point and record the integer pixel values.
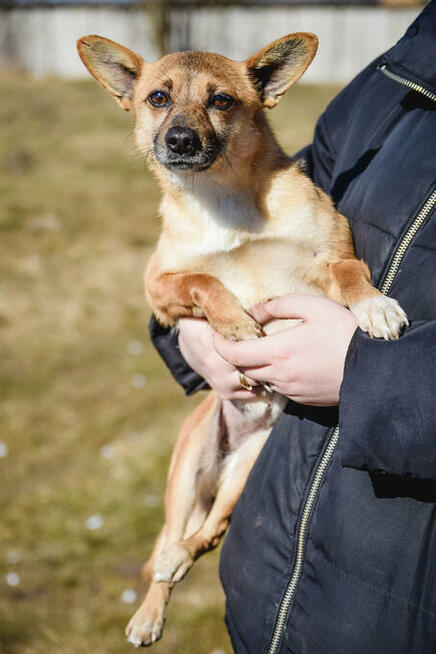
(77, 222)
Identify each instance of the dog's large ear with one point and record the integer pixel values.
(275, 68)
(116, 68)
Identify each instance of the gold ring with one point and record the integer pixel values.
(244, 382)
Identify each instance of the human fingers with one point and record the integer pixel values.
(246, 382)
(244, 354)
(260, 314)
(196, 346)
(241, 394)
(235, 386)
(259, 374)
(290, 305)
(195, 341)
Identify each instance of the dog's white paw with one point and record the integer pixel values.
(380, 316)
(144, 630)
(172, 564)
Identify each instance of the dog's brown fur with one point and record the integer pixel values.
(241, 223)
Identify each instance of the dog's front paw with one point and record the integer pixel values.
(173, 564)
(145, 628)
(240, 328)
(380, 316)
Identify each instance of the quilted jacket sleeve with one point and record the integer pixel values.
(387, 411)
(331, 132)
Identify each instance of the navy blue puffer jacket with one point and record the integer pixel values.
(332, 546)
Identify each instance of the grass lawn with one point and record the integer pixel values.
(89, 412)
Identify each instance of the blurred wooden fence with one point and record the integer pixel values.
(41, 39)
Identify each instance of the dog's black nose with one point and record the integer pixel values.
(183, 140)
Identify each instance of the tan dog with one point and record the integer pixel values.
(241, 224)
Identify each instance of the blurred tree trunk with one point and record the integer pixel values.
(160, 15)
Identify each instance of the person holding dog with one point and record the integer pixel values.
(332, 545)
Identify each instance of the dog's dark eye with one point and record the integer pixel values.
(221, 101)
(159, 98)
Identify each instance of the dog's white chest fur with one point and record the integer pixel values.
(217, 219)
(224, 234)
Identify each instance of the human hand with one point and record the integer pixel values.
(198, 350)
(304, 362)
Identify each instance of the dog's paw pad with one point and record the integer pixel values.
(380, 316)
(172, 564)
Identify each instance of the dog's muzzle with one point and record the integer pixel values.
(183, 141)
(183, 150)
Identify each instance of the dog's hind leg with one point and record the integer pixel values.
(184, 510)
(183, 499)
(187, 503)
(231, 484)
(146, 625)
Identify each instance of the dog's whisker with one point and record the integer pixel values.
(226, 158)
(234, 155)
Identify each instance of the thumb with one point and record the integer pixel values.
(292, 306)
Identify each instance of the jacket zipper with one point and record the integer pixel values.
(318, 477)
(301, 542)
(406, 241)
(406, 82)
